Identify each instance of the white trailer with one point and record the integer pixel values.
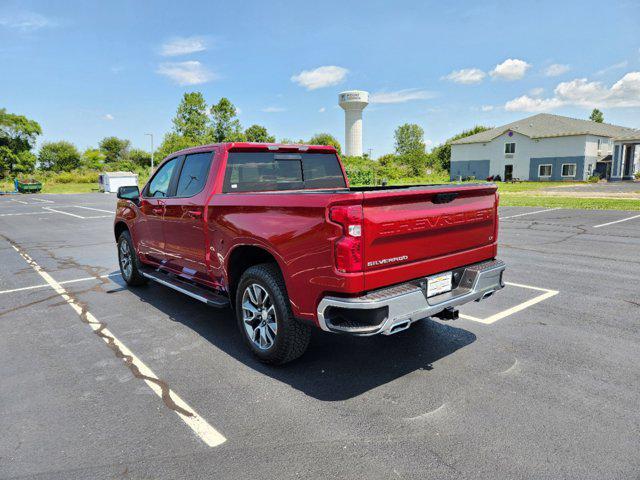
(109, 182)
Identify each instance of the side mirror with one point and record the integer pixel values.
(130, 192)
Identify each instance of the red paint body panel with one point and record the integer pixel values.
(196, 237)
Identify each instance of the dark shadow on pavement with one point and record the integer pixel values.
(335, 367)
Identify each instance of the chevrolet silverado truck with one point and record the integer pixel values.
(276, 233)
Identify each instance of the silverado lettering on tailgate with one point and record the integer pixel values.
(434, 221)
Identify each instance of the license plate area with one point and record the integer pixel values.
(440, 283)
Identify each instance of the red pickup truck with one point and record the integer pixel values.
(275, 232)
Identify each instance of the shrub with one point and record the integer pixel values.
(594, 179)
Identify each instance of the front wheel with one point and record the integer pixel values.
(128, 260)
(265, 318)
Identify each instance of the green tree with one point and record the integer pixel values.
(58, 156)
(115, 149)
(289, 141)
(172, 142)
(191, 118)
(7, 160)
(225, 126)
(140, 158)
(416, 161)
(409, 139)
(442, 153)
(596, 116)
(17, 132)
(325, 139)
(258, 133)
(92, 158)
(18, 136)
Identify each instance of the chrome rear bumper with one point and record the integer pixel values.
(395, 308)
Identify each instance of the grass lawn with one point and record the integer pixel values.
(528, 186)
(570, 202)
(70, 188)
(49, 187)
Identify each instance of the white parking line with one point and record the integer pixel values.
(65, 282)
(97, 209)
(19, 201)
(43, 200)
(518, 308)
(529, 213)
(64, 213)
(617, 221)
(20, 214)
(188, 415)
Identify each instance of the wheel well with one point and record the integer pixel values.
(119, 228)
(241, 259)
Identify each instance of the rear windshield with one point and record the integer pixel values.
(264, 171)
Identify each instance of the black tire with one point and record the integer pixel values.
(132, 276)
(291, 337)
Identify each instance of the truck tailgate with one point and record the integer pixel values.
(407, 226)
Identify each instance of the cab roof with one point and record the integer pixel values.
(258, 147)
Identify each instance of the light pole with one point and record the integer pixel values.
(151, 135)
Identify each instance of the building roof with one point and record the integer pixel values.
(629, 138)
(545, 125)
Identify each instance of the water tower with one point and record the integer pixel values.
(353, 102)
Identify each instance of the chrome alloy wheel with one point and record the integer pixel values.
(259, 316)
(126, 260)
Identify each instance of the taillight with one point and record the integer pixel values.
(348, 249)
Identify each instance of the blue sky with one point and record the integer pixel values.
(86, 70)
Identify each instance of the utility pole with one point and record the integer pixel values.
(151, 135)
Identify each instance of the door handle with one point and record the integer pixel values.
(157, 211)
(194, 213)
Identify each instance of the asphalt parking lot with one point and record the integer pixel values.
(540, 381)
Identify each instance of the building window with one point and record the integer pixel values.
(510, 148)
(568, 169)
(544, 171)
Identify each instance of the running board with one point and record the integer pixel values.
(199, 293)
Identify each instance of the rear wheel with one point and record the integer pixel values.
(129, 262)
(265, 318)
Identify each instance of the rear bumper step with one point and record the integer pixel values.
(395, 308)
(172, 281)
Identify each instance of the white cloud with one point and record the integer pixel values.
(401, 96)
(273, 109)
(325, 76)
(536, 92)
(556, 69)
(583, 93)
(183, 46)
(108, 116)
(487, 108)
(510, 69)
(26, 21)
(428, 143)
(466, 76)
(322, 110)
(190, 72)
(615, 66)
(527, 104)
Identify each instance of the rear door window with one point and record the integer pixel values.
(268, 171)
(194, 174)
